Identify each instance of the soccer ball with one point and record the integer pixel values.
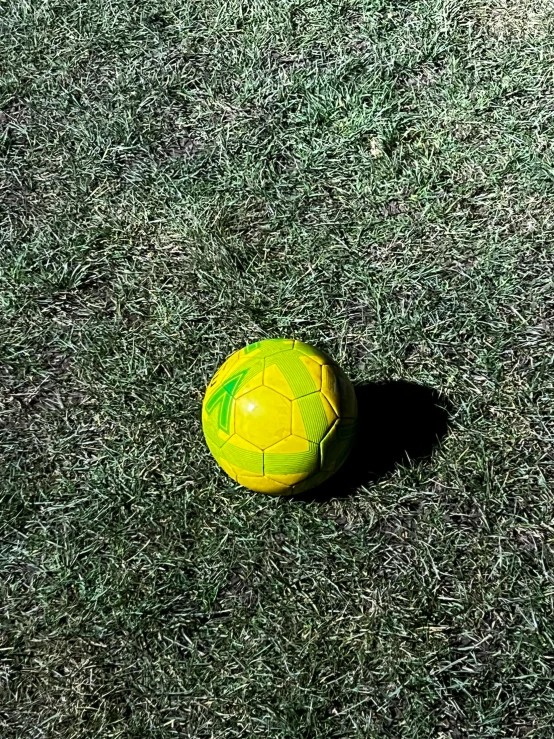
(279, 416)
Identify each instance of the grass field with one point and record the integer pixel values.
(181, 178)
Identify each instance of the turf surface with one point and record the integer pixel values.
(181, 178)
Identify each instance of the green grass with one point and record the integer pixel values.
(181, 178)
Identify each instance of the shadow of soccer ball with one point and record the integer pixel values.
(398, 421)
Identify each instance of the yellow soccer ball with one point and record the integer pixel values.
(279, 416)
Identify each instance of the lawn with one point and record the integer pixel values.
(181, 178)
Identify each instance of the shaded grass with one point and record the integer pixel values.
(179, 180)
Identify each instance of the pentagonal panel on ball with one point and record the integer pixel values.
(312, 417)
(218, 416)
(313, 368)
(266, 347)
(226, 467)
(263, 484)
(312, 481)
(336, 446)
(275, 379)
(292, 374)
(229, 363)
(243, 456)
(339, 391)
(263, 417)
(310, 351)
(247, 377)
(330, 386)
(291, 460)
(223, 372)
